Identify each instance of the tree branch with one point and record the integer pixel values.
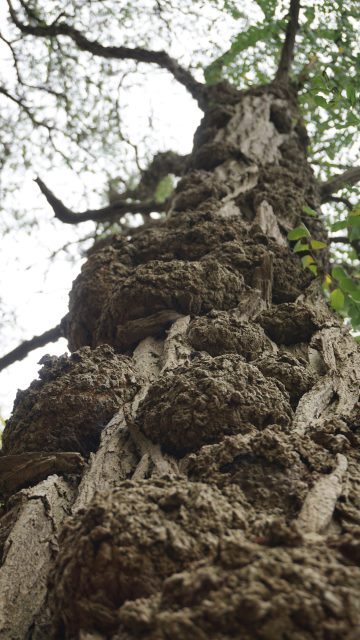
(25, 108)
(161, 58)
(20, 352)
(114, 210)
(344, 201)
(348, 178)
(341, 239)
(287, 53)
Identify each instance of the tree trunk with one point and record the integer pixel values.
(221, 500)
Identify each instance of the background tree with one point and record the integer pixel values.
(217, 392)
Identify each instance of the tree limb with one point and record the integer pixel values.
(348, 178)
(161, 58)
(340, 239)
(114, 210)
(344, 201)
(20, 352)
(287, 53)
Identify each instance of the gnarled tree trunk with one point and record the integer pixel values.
(219, 493)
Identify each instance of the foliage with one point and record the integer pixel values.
(341, 289)
(326, 67)
(164, 189)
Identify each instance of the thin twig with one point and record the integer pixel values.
(25, 108)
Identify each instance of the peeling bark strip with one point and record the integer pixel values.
(216, 400)
(28, 552)
(320, 503)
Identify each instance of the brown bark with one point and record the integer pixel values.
(222, 498)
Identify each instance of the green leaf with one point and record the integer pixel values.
(355, 212)
(355, 295)
(309, 211)
(299, 232)
(320, 101)
(351, 94)
(337, 299)
(353, 311)
(342, 224)
(307, 261)
(300, 247)
(164, 189)
(242, 41)
(268, 7)
(316, 245)
(313, 268)
(339, 274)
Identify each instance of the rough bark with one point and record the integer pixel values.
(222, 498)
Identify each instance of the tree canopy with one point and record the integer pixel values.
(72, 71)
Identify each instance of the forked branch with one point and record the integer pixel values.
(287, 52)
(111, 212)
(348, 178)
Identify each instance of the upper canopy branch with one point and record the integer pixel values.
(161, 58)
(348, 178)
(287, 53)
(114, 210)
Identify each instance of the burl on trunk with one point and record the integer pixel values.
(191, 470)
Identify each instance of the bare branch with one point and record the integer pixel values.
(348, 178)
(287, 53)
(344, 201)
(340, 239)
(114, 210)
(25, 108)
(20, 352)
(161, 58)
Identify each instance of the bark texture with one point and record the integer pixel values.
(215, 398)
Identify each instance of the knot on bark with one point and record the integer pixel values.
(74, 399)
(211, 398)
(129, 540)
